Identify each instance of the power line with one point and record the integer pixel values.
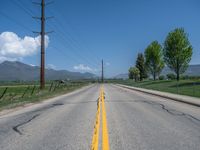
(27, 11)
(73, 28)
(30, 13)
(68, 41)
(73, 40)
(16, 21)
(72, 44)
(65, 40)
(65, 54)
(61, 35)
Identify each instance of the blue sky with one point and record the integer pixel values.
(85, 31)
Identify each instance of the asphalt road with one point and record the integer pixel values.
(135, 121)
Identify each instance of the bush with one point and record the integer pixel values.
(162, 77)
(185, 77)
(171, 76)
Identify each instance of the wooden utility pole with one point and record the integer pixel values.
(102, 73)
(42, 67)
(42, 33)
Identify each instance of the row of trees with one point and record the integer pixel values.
(176, 53)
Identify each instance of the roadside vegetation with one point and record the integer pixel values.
(183, 87)
(175, 53)
(12, 95)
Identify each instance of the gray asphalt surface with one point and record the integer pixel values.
(64, 124)
(136, 121)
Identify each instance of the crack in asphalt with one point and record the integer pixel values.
(173, 112)
(47, 107)
(41, 109)
(15, 128)
(57, 104)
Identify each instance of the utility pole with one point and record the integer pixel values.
(42, 68)
(102, 73)
(42, 33)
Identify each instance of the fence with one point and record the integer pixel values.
(23, 93)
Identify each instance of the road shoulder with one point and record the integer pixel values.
(26, 107)
(180, 98)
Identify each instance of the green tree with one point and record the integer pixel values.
(130, 73)
(140, 64)
(154, 59)
(177, 51)
(134, 73)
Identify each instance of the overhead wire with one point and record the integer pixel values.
(30, 13)
(63, 39)
(77, 41)
(71, 42)
(16, 21)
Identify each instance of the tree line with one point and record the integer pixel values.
(176, 53)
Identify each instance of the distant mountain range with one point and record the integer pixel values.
(193, 70)
(121, 76)
(15, 71)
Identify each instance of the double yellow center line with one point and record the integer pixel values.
(105, 139)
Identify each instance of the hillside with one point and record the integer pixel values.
(12, 71)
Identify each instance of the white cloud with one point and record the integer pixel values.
(82, 67)
(32, 65)
(2, 58)
(107, 64)
(51, 66)
(13, 47)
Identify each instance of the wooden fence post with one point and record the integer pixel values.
(51, 87)
(33, 90)
(25, 91)
(4, 92)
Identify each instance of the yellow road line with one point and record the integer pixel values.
(95, 138)
(105, 139)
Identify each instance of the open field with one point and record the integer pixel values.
(183, 87)
(16, 95)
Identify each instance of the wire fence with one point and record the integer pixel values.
(22, 93)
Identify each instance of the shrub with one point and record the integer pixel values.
(162, 77)
(171, 76)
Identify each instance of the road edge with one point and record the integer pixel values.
(24, 108)
(179, 98)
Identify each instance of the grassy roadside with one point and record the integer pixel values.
(24, 94)
(183, 87)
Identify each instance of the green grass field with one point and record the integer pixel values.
(17, 95)
(183, 87)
